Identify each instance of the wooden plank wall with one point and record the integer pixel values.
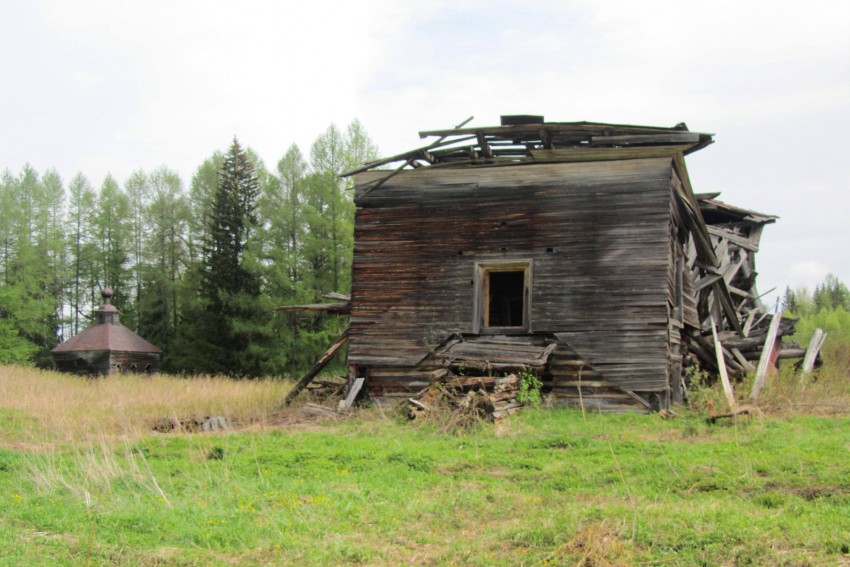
(597, 234)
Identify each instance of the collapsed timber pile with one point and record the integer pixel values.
(575, 251)
(735, 236)
(470, 397)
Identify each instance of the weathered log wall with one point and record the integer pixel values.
(597, 237)
(106, 362)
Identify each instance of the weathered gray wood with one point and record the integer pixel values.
(337, 296)
(314, 371)
(356, 386)
(733, 237)
(637, 139)
(743, 360)
(721, 365)
(334, 308)
(606, 229)
(604, 154)
(815, 344)
(764, 360)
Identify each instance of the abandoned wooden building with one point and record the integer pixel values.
(106, 347)
(578, 251)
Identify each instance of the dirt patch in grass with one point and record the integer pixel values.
(596, 544)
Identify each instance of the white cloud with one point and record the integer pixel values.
(805, 274)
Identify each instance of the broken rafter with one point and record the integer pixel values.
(418, 153)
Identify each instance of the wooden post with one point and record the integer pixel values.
(321, 363)
(764, 360)
(815, 344)
(721, 366)
(352, 393)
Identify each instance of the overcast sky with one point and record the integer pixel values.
(106, 86)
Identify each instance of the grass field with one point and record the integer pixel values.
(84, 481)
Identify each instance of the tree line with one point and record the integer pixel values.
(197, 269)
(827, 307)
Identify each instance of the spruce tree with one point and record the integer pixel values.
(231, 318)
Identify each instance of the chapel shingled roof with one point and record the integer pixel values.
(107, 334)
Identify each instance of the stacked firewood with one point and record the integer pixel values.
(477, 397)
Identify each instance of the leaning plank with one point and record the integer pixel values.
(815, 344)
(739, 356)
(721, 365)
(764, 361)
(349, 399)
(749, 324)
(321, 363)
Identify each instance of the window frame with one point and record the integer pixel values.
(481, 296)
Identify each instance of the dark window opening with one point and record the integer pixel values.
(502, 295)
(506, 299)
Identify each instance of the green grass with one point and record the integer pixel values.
(543, 487)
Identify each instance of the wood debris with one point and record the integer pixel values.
(193, 424)
(477, 397)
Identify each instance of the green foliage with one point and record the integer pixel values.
(529, 388)
(827, 308)
(702, 390)
(31, 261)
(225, 334)
(197, 273)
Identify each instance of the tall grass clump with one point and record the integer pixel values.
(825, 391)
(49, 407)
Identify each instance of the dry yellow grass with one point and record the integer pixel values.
(825, 392)
(49, 407)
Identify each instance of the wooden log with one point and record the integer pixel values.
(791, 353)
(764, 360)
(341, 308)
(815, 344)
(314, 371)
(746, 364)
(337, 296)
(721, 365)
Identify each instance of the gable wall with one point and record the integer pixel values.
(602, 288)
